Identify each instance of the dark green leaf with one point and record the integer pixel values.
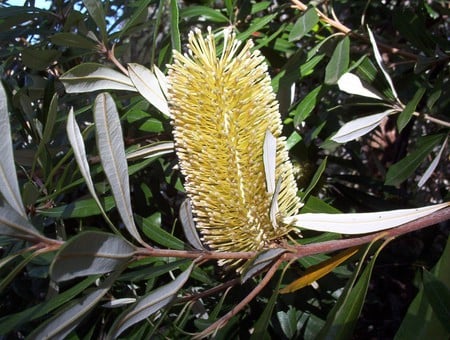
(304, 24)
(407, 112)
(151, 227)
(316, 178)
(339, 61)
(73, 40)
(10, 322)
(97, 13)
(78, 209)
(205, 12)
(439, 296)
(90, 253)
(400, 171)
(305, 107)
(39, 59)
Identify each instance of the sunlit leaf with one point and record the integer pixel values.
(359, 127)
(304, 24)
(148, 305)
(89, 77)
(152, 150)
(352, 84)
(9, 187)
(205, 12)
(151, 227)
(174, 25)
(90, 253)
(339, 61)
(342, 319)
(405, 116)
(427, 174)
(187, 221)
(379, 60)
(361, 223)
(400, 171)
(148, 86)
(269, 158)
(317, 271)
(119, 302)
(112, 154)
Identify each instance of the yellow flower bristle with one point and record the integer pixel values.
(221, 108)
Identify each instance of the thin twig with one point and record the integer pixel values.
(236, 309)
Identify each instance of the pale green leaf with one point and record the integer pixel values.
(89, 77)
(361, 223)
(152, 150)
(112, 155)
(146, 82)
(9, 186)
(427, 174)
(359, 127)
(352, 84)
(187, 221)
(150, 304)
(90, 253)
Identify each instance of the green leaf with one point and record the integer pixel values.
(305, 107)
(148, 86)
(79, 209)
(9, 186)
(339, 61)
(400, 171)
(151, 227)
(174, 28)
(261, 261)
(292, 321)
(202, 11)
(11, 322)
(73, 40)
(90, 253)
(15, 225)
(187, 221)
(438, 294)
(97, 13)
(39, 59)
(427, 174)
(421, 321)
(405, 116)
(135, 18)
(90, 77)
(304, 24)
(359, 127)
(255, 26)
(342, 319)
(112, 155)
(316, 178)
(59, 326)
(150, 304)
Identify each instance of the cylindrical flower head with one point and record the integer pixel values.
(222, 107)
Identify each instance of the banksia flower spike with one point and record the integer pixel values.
(225, 118)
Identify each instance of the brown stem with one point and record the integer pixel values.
(236, 309)
(211, 291)
(110, 55)
(341, 27)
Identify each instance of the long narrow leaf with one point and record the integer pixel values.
(359, 127)
(15, 225)
(153, 150)
(153, 302)
(9, 187)
(148, 86)
(352, 84)
(379, 60)
(65, 321)
(89, 77)
(269, 158)
(361, 223)
(112, 154)
(427, 174)
(188, 224)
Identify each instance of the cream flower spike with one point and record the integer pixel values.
(222, 108)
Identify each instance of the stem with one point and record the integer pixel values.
(432, 119)
(110, 55)
(236, 309)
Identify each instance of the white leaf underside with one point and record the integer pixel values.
(361, 223)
